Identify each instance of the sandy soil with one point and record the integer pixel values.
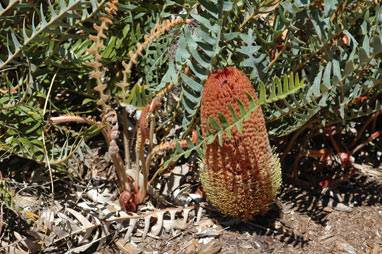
(345, 219)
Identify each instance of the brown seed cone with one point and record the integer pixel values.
(242, 177)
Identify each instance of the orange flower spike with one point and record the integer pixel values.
(241, 178)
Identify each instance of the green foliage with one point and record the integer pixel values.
(335, 47)
(38, 40)
(222, 126)
(202, 48)
(289, 37)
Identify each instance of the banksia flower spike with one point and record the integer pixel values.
(241, 178)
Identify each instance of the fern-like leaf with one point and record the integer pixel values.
(216, 128)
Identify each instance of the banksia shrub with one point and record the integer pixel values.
(241, 177)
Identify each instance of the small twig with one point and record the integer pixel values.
(301, 153)
(374, 124)
(362, 129)
(47, 157)
(280, 53)
(1, 218)
(367, 141)
(252, 15)
(159, 171)
(293, 140)
(332, 182)
(334, 142)
(266, 229)
(12, 243)
(366, 170)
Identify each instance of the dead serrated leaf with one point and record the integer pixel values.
(86, 224)
(192, 247)
(30, 245)
(10, 249)
(212, 247)
(127, 248)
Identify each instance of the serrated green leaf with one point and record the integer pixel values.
(239, 126)
(377, 45)
(230, 36)
(192, 83)
(191, 97)
(189, 143)
(276, 83)
(62, 6)
(326, 78)
(233, 114)
(314, 89)
(280, 90)
(200, 58)
(206, 37)
(297, 82)
(349, 68)
(187, 154)
(211, 8)
(189, 109)
(363, 57)
(26, 37)
(211, 25)
(241, 107)
(80, 154)
(177, 157)
(251, 100)
(223, 120)
(43, 20)
(107, 53)
(198, 71)
(211, 139)
(342, 111)
(227, 6)
(220, 139)
(262, 92)
(16, 42)
(289, 84)
(200, 152)
(181, 53)
(214, 124)
(207, 49)
(228, 132)
(179, 149)
(166, 163)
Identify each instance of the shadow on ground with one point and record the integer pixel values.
(360, 190)
(311, 202)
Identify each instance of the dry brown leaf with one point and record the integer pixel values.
(212, 247)
(127, 248)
